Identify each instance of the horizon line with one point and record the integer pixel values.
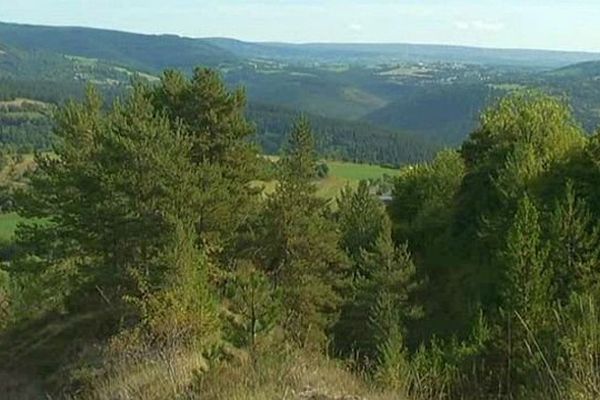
(303, 43)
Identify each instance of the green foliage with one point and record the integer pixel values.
(579, 324)
(255, 304)
(183, 313)
(423, 199)
(211, 119)
(518, 142)
(298, 245)
(150, 247)
(120, 195)
(322, 170)
(362, 220)
(527, 288)
(573, 240)
(379, 301)
(352, 141)
(5, 299)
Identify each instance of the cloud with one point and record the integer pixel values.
(479, 25)
(355, 27)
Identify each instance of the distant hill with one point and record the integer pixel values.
(345, 140)
(589, 69)
(153, 53)
(451, 112)
(384, 103)
(42, 65)
(370, 53)
(150, 53)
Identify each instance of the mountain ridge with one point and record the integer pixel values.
(183, 51)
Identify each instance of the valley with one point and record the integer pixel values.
(428, 96)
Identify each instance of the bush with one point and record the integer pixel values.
(322, 170)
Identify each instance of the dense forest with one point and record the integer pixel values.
(26, 124)
(152, 266)
(341, 140)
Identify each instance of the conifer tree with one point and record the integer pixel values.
(299, 244)
(381, 303)
(362, 219)
(527, 279)
(366, 239)
(255, 304)
(394, 283)
(526, 294)
(573, 245)
(119, 195)
(212, 118)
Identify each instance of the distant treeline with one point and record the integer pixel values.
(345, 140)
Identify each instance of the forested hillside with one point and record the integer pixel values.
(148, 53)
(434, 92)
(341, 140)
(151, 265)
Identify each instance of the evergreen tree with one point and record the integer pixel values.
(381, 304)
(299, 244)
(362, 219)
(212, 118)
(394, 283)
(527, 284)
(254, 303)
(573, 244)
(526, 292)
(119, 195)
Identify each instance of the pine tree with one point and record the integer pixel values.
(299, 244)
(254, 303)
(527, 279)
(381, 303)
(120, 195)
(394, 283)
(362, 219)
(212, 118)
(573, 243)
(526, 294)
(299, 163)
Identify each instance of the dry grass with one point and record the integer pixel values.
(162, 376)
(285, 375)
(268, 375)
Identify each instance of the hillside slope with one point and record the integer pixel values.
(589, 69)
(150, 53)
(451, 112)
(348, 140)
(370, 53)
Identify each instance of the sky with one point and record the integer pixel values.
(534, 24)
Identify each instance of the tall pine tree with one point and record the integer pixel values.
(573, 245)
(299, 244)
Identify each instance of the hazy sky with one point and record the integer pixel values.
(548, 24)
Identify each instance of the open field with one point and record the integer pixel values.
(357, 172)
(341, 174)
(345, 173)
